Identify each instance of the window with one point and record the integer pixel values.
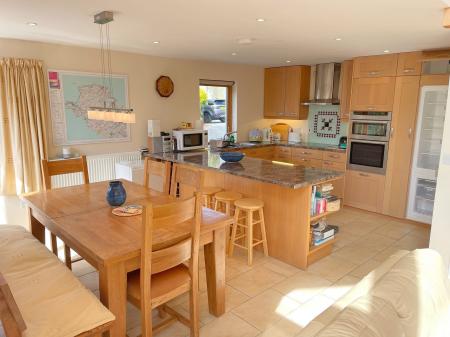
(216, 107)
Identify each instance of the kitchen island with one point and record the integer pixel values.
(286, 190)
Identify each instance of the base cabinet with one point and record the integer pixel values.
(364, 190)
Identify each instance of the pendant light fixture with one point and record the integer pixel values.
(108, 112)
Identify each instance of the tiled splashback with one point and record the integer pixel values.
(325, 126)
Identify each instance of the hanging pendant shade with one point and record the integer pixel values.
(108, 112)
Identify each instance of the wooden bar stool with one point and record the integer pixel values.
(249, 206)
(208, 195)
(225, 200)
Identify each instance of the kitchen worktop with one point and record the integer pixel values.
(303, 145)
(287, 175)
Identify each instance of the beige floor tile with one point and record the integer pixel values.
(228, 325)
(233, 297)
(394, 230)
(133, 317)
(332, 268)
(90, 281)
(256, 280)
(420, 231)
(356, 254)
(232, 272)
(341, 287)
(386, 253)
(411, 242)
(376, 241)
(302, 286)
(174, 330)
(365, 268)
(310, 310)
(358, 227)
(280, 267)
(81, 268)
(344, 239)
(266, 309)
(282, 328)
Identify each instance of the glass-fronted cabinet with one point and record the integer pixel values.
(427, 151)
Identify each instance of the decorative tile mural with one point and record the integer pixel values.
(325, 125)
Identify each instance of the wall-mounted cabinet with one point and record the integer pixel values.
(373, 94)
(375, 66)
(409, 64)
(285, 88)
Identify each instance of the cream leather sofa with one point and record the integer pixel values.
(408, 295)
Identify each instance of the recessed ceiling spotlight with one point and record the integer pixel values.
(338, 39)
(233, 54)
(155, 42)
(288, 61)
(32, 24)
(386, 51)
(260, 19)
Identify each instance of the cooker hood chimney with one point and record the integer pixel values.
(326, 88)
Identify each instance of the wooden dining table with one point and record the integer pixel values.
(81, 217)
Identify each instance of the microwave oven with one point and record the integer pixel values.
(190, 139)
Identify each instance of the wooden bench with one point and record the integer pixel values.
(39, 296)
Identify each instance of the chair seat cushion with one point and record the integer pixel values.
(169, 283)
(52, 301)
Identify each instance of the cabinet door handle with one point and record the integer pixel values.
(392, 132)
(364, 175)
(333, 156)
(374, 72)
(410, 132)
(408, 70)
(370, 108)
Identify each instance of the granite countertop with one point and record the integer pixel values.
(290, 176)
(303, 145)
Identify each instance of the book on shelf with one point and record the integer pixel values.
(320, 233)
(322, 241)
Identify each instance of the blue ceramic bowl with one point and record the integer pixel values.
(231, 157)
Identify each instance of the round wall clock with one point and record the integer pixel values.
(164, 86)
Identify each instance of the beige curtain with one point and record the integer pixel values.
(23, 116)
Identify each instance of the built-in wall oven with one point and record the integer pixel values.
(369, 141)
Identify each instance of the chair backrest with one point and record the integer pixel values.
(159, 169)
(173, 214)
(186, 181)
(63, 166)
(11, 318)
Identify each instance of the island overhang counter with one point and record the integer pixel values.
(286, 190)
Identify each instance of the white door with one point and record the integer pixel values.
(427, 150)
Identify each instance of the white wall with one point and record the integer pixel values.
(142, 71)
(440, 228)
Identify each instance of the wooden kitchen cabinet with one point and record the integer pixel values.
(301, 153)
(375, 66)
(364, 190)
(274, 91)
(409, 64)
(373, 94)
(284, 89)
(283, 154)
(401, 145)
(345, 89)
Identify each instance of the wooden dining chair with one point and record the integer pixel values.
(164, 274)
(186, 181)
(63, 166)
(159, 169)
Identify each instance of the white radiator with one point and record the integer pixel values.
(101, 167)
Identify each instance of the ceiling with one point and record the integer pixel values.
(302, 31)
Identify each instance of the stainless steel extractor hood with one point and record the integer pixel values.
(326, 88)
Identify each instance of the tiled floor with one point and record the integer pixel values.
(273, 299)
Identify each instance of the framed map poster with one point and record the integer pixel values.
(72, 94)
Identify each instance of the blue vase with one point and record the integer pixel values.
(116, 194)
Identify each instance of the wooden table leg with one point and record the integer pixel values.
(215, 272)
(113, 294)
(36, 228)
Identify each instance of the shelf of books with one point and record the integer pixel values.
(324, 201)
